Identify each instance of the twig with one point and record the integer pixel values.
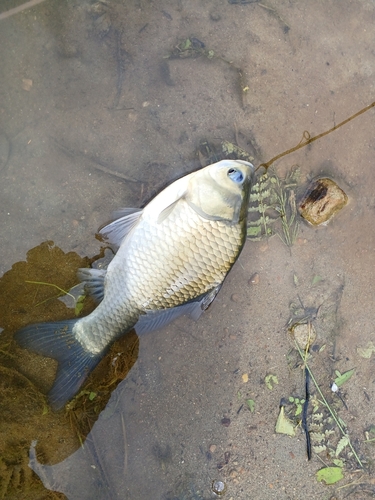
(20, 8)
(304, 414)
(93, 162)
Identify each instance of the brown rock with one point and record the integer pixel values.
(323, 198)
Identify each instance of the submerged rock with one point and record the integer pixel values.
(322, 199)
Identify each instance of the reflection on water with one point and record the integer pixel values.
(95, 116)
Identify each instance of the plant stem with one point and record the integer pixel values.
(51, 284)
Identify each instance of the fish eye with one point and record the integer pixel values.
(235, 175)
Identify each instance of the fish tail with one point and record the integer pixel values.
(57, 340)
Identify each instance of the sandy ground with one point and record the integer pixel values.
(93, 117)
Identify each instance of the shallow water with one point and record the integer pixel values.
(94, 117)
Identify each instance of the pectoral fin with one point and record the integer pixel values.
(116, 231)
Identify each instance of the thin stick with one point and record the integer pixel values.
(20, 8)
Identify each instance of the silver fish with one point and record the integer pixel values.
(172, 258)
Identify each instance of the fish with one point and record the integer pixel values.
(171, 259)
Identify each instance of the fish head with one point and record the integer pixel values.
(221, 191)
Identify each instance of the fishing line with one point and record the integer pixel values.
(307, 139)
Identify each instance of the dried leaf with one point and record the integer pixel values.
(283, 424)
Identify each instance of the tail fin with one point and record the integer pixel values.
(56, 340)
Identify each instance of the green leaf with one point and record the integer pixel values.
(186, 44)
(79, 304)
(251, 404)
(270, 381)
(316, 279)
(92, 396)
(283, 424)
(298, 410)
(329, 475)
(253, 231)
(344, 377)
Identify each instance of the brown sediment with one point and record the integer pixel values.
(25, 377)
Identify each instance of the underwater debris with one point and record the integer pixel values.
(283, 424)
(192, 48)
(322, 200)
(329, 475)
(261, 202)
(286, 204)
(304, 334)
(272, 200)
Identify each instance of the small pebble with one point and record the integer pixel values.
(245, 378)
(225, 421)
(218, 487)
(254, 280)
(304, 334)
(212, 448)
(214, 16)
(235, 297)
